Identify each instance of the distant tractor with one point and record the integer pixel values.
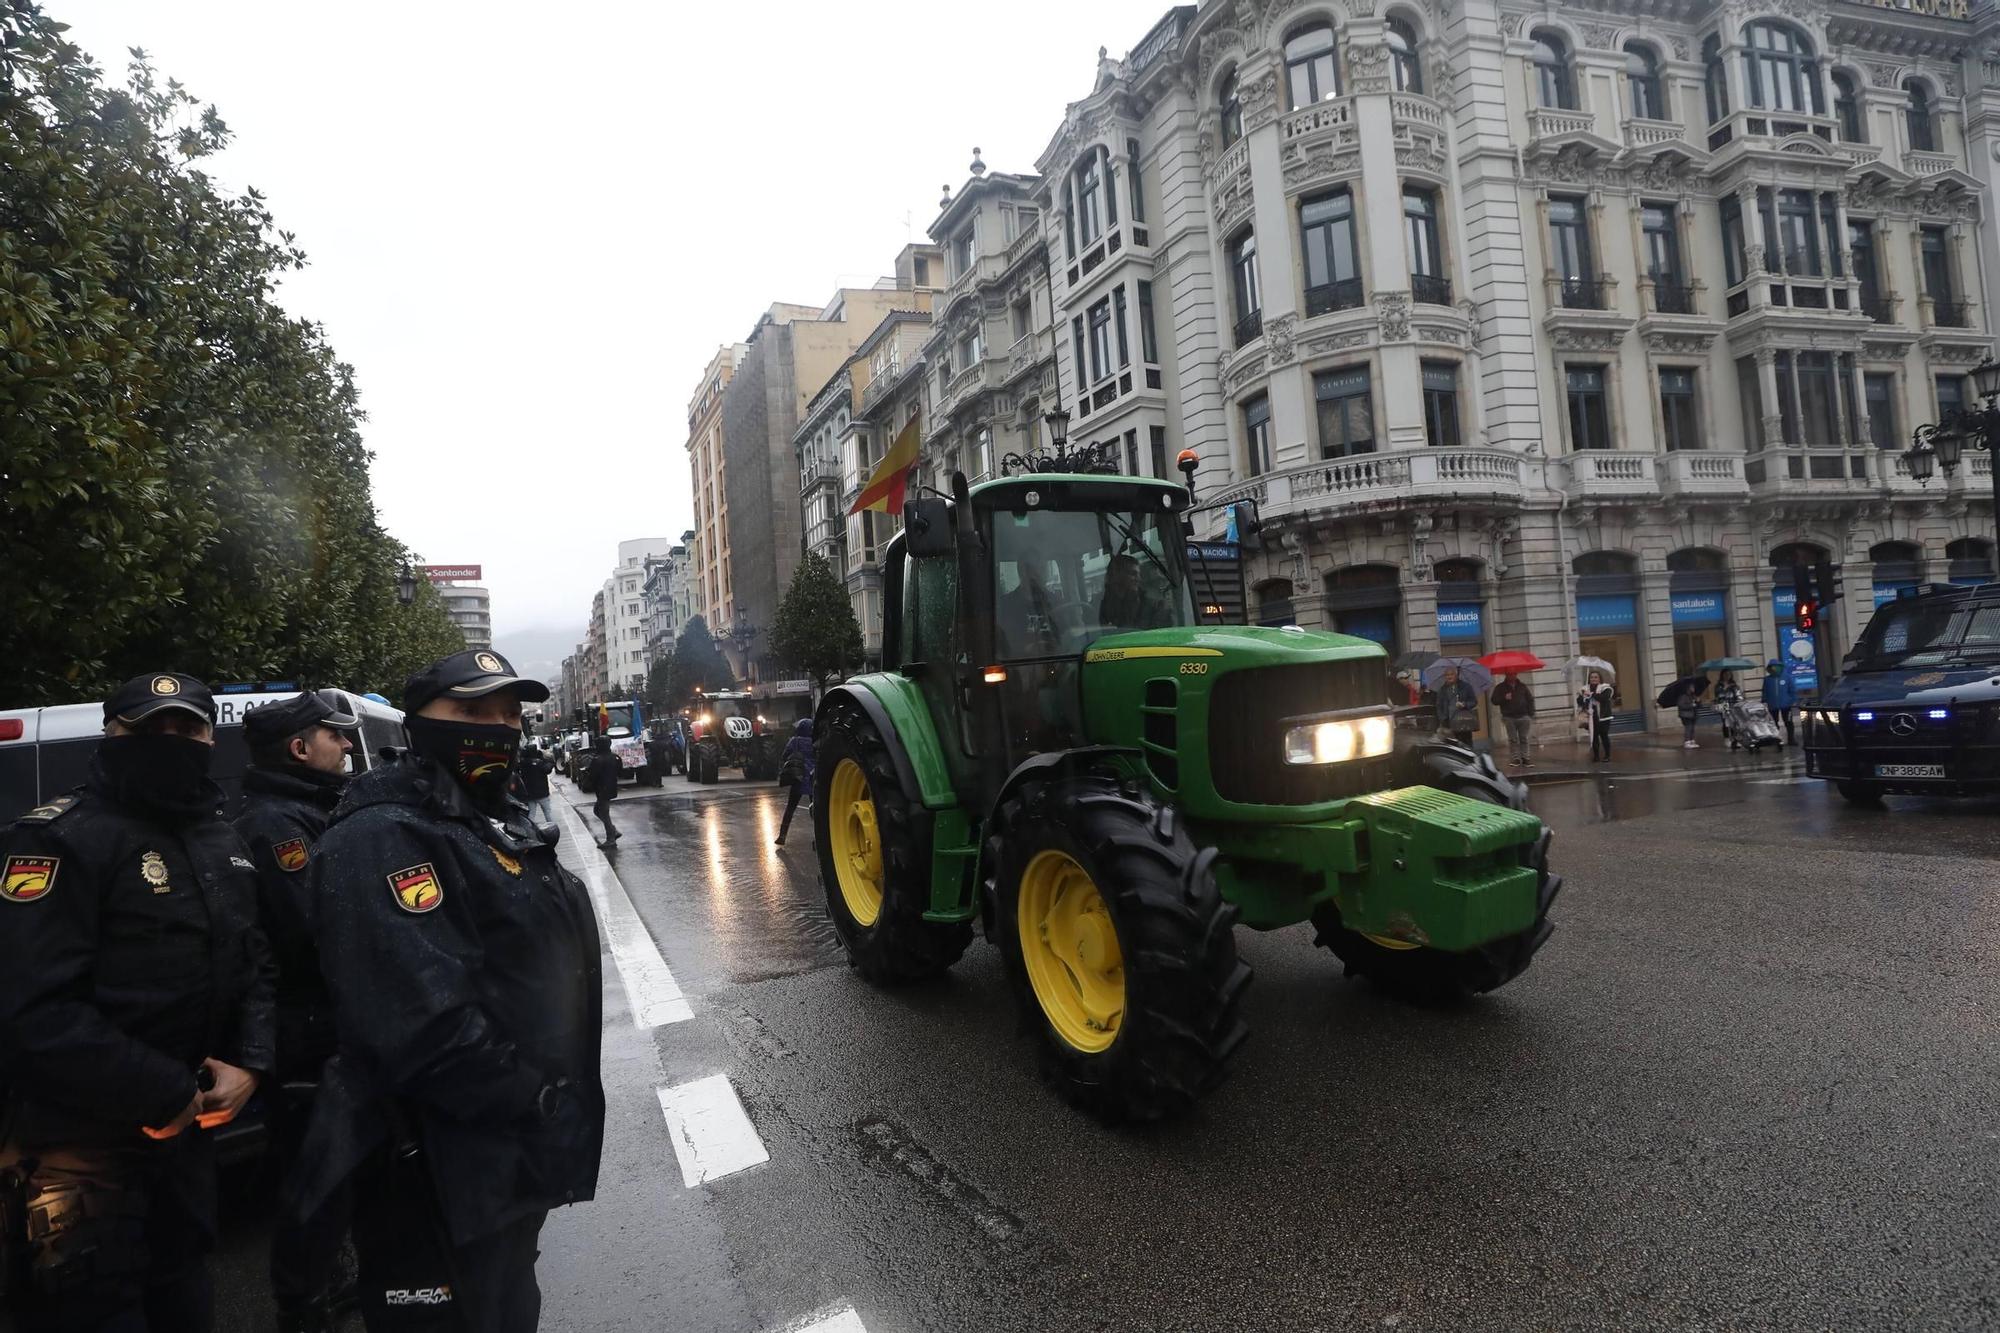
(1058, 751)
(729, 732)
(623, 723)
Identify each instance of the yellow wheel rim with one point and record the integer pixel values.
(1391, 942)
(857, 842)
(1070, 945)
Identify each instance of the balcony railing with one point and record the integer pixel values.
(1249, 328)
(1429, 289)
(1919, 163)
(1367, 478)
(1328, 297)
(1319, 119)
(1581, 293)
(1673, 298)
(1951, 315)
(1547, 121)
(1926, 134)
(1642, 133)
(1878, 307)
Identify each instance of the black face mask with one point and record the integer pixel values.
(479, 754)
(163, 774)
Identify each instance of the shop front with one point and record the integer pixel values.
(1698, 596)
(1607, 625)
(1899, 568)
(1367, 601)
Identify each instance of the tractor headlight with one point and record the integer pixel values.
(1337, 740)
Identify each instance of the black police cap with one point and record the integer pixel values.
(142, 696)
(314, 708)
(468, 675)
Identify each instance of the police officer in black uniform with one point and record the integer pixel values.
(298, 768)
(135, 1012)
(464, 1102)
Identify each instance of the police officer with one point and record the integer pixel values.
(135, 997)
(462, 958)
(298, 767)
(602, 778)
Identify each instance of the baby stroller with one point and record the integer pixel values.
(1751, 726)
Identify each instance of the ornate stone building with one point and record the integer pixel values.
(1570, 327)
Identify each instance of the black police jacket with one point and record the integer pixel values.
(463, 963)
(129, 953)
(284, 811)
(533, 772)
(602, 776)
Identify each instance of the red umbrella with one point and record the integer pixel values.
(1511, 662)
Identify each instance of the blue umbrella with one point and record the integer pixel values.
(1469, 671)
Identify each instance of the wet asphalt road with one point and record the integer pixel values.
(1750, 1083)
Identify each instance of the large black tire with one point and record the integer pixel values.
(894, 945)
(1182, 981)
(1865, 794)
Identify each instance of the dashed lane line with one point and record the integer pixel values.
(711, 1132)
(653, 994)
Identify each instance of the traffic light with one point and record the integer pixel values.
(1805, 603)
(1805, 616)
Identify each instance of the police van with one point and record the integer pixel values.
(45, 752)
(1917, 707)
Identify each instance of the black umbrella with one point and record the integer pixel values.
(1412, 662)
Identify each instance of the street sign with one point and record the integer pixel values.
(450, 573)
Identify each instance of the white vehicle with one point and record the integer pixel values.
(45, 752)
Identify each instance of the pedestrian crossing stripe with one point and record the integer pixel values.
(416, 888)
(27, 878)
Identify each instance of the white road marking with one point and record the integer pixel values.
(712, 1134)
(655, 997)
(843, 1320)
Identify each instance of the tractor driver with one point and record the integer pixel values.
(1127, 605)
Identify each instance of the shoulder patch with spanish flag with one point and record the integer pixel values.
(417, 888)
(25, 878)
(290, 854)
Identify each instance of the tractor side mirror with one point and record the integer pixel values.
(928, 523)
(1249, 526)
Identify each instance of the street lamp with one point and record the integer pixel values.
(1058, 423)
(406, 585)
(1942, 445)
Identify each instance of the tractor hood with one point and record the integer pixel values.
(1289, 644)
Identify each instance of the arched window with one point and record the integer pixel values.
(1971, 560)
(1232, 111)
(1555, 87)
(1779, 70)
(1715, 80)
(1406, 61)
(1274, 603)
(1923, 119)
(1604, 564)
(1847, 108)
(1696, 560)
(1642, 82)
(1090, 189)
(1310, 72)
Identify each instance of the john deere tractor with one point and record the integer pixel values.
(1059, 752)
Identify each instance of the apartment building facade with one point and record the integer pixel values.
(1569, 327)
(666, 597)
(627, 654)
(471, 610)
(709, 555)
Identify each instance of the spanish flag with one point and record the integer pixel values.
(603, 719)
(891, 476)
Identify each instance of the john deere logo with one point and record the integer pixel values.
(166, 685)
(488, 662)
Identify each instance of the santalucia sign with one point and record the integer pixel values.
(1937, 9)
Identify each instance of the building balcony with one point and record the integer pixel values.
(1430, 289)
(1548, 122)
(1383, 480)
(1827, 471)
(1417, 111)
(1880, 307)
(1609, 474)
(1950, 314)
(1697, 474)
(1321, 120)
(1248, 328)
(1235, 161)
(1581, 294)
(1325, 299)
(1670, 298)
(1755, 129)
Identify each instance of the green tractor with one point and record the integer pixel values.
(1058, 751)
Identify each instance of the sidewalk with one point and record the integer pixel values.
(1561, 759)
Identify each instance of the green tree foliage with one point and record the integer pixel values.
(182, 479)
(696, 664)
(816, 631)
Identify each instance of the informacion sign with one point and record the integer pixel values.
(451, 573)
(1215, 573)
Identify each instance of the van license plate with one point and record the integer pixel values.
(1909, 770)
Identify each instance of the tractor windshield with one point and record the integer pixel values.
(1065, 577)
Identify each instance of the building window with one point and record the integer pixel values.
(1132, 453)
(1879, 391)
(1735, 270)
(1100, 340)
(1861, 253)
(1661, 237)
(1243, 282)
(1642, 82)
(1847, 109)
(1132, 180)
(1715, 82)
(1440, 379)
(1232, 112)
(1936, 264)
(1089, 201)
(969, 350)
(983, 451)
(1405, 56)
(1346, 412)
(1082, 369)
(1149, 347)
(1678, 421)
(965, 249)
(1589, 415)
(1156, 440)
(1428, 284)
(1069, 219)
(1310, 74)
(1118, 321)
(1779, 70)
(1257, 434)
(1923, 120)
(1333, 266)
(1569, 252)
(1797, 234)
(1950, 395)
(1024, 319)
(1554, 86)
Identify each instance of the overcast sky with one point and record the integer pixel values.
(531, 225)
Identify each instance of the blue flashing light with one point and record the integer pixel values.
(1864, 716)
(1939, 714)
(245, 688)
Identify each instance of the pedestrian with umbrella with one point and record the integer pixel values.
(1595, 703)
(1684, 697)
(1458, 683)
(1514, 700)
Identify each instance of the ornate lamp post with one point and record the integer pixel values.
(1942, 445)
(406, 585)
(741, 634)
